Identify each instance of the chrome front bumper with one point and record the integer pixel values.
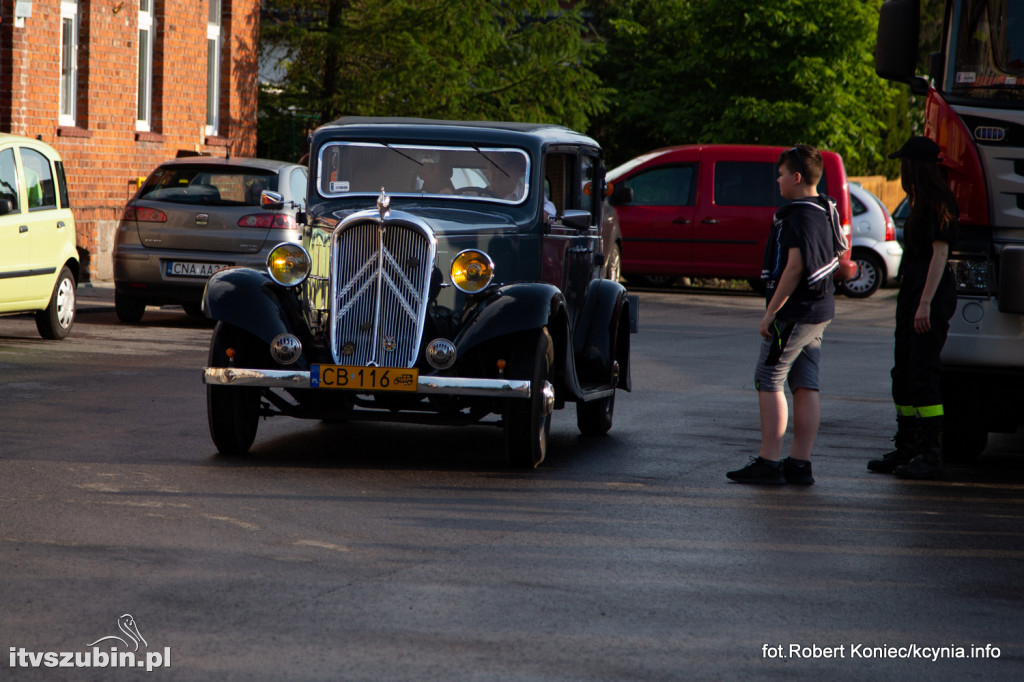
(285, 378)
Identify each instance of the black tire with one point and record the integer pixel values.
(128, 309)
(526, 426)
(613, 264)
(962, 443)
(594, 418)
(870, 273)
(55, 322)
(233, 412)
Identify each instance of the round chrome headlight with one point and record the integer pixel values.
(288, 264)
(472, 271)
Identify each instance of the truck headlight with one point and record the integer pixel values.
(973, 276)
(288, 264)
(472, 271)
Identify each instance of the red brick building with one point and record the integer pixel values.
(117, 86)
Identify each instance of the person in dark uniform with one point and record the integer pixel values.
(924, 306)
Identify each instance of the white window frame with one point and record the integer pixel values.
(144, 89)
(68, 100)
(213, 45)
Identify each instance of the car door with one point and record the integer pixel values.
(14, 235)
(735, 217)
(48, 223)
(657, 220)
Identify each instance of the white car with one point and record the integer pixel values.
(875, 249)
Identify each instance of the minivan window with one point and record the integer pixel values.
(856, 206)
(666, 186)
(42, 192)
(751, 183)
(9, 179)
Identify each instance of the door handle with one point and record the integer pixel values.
(681, 221)
(710, 221)
(22, 229)
(60, 224)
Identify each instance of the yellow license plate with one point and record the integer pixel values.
(355, 378)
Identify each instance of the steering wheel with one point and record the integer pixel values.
(479, 191)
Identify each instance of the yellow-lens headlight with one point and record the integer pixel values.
(288, 264)
(472, 271)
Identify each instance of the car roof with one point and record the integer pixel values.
(9, 138)
(233, 162)
(442, 130)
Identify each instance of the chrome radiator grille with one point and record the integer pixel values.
(380, 284)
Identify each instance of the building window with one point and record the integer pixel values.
(213, 68)
(144, 115)
(68, 63)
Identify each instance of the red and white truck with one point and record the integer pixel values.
(975, 112)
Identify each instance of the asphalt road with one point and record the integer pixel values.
(374, 552)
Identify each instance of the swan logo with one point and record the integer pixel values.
(127, 625)
(122, 652)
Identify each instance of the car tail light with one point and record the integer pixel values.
(268, 220)
(144, 214)
(890, 229)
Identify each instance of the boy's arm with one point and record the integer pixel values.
(790, 277)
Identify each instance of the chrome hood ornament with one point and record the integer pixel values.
(383, 204)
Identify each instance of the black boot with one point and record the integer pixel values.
(928, 462)
(906, 434)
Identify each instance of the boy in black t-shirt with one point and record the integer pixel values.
(799, 261)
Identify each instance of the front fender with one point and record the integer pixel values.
(250, 300)
(510, 309)
(602, 335)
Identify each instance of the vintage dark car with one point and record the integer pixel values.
(448, 273)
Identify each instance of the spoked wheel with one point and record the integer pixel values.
(613, 267)
(233, 412)
(528, 422)
(55, 322)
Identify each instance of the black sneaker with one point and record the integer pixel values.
(759, 470)
(797, 471)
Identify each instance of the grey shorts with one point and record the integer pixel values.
(797, 364)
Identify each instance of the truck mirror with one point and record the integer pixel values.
(896, 49)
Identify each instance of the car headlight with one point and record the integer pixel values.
(288, 264)
(472, 271)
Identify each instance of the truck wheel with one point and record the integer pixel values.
(55, 322)
(961, 443)
(233, 412)
(128, 310)
(527, 423)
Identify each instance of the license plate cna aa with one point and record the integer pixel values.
(356, 378)
(177, 268)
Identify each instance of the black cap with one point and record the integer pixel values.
(919, 149)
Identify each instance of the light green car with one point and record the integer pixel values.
(38, 261)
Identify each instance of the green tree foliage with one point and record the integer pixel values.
(733, 71)
(450, 59)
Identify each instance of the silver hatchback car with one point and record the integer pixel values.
(195, 216)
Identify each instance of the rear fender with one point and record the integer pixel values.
(602, 335)
(250, 300)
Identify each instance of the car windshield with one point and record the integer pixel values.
(987, 50)
(208, 185)
(365, 168)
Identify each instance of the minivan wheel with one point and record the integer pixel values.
(870, 273)
(128, 309)
(55, 322)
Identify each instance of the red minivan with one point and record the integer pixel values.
(705, 211)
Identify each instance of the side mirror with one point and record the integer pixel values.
(621, 195)
(271, 201)
(577, 219)
(898, 34)
(6, 206)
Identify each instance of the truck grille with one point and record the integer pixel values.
(381, 282)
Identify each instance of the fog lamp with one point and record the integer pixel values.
(288, 264)
(472, 271)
